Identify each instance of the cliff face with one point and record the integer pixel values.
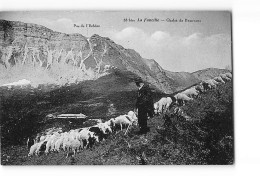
(43, 56)
(40, 45)
(66, 58)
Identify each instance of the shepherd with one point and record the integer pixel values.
(144, 105)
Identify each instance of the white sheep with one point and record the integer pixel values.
(42, 138)
(84, 136)
(132, 115)
(111, 123)
(219, 79)
(211, 83)
(42, 142)
(87, 136)
(74, 134)
(104, 127)
(58, 144)
(191, 92)
(51, 142)
(156, 107)
(75, 145)
(48, 146)
(160, 106)
(229, 75)
(70, 143)
(33, 149)
(39, 147)
(225, 77)
(123, 120)
(65, 143)
(215, 82)
(95, 137)
(168, 103)
(182, 98)
(37, 139)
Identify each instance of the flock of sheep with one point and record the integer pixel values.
(181, 98)
(78, 139)
(82, 138)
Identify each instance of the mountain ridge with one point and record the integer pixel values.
(208, 73)
(37, 52)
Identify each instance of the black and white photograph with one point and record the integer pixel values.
(88, 87)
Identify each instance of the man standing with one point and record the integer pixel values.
(144, 104)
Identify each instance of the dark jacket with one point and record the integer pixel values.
(144, 98)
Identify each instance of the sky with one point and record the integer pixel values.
(178, 40)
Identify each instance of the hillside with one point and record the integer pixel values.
(182, 80)
(71, 73)
(208, 73)
(205, 139)
(24, 111)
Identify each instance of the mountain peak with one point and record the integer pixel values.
(67, 58)
(43, 56)
(95, 36)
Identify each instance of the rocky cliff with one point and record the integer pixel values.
(42, 55)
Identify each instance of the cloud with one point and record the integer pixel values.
(193, 38)
(159, 35)
(135, 35)
(178, 53)
(130, 32)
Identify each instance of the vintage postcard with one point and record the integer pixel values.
(116, 88)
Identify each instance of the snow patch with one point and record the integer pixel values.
(23, 82)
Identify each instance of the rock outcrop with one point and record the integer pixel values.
(36, 47)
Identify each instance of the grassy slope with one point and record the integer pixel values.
(181, 80)
(207, 139)
(208, 73)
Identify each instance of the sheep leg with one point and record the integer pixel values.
(163, 107)
(127, 128)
